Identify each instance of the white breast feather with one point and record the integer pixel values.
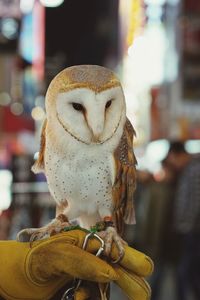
(81, 174)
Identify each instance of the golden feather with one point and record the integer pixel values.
(125, 180)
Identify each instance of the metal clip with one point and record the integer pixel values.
(69, 294)
(102, 244)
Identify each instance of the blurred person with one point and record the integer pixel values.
(161, 238)
(186, 219)
(141, 197)
(154, 205)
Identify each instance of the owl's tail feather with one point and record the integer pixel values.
(129, 210)
(129, 217)
(118, 220)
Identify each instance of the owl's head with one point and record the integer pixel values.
(87, 101)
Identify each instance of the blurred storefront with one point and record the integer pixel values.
(154, 47)
(159, 45)
(22, 26)
(160, 71)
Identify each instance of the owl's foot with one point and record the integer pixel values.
(32, 234)
(109, 236)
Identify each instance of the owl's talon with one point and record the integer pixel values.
(34, 234)
(110, 235)
(24, 235)
(120, 257)
(39, 236)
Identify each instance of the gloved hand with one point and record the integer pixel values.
(38, 270)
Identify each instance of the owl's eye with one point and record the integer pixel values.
(78, 106)
(108, 104)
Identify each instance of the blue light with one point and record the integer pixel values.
(26, 44)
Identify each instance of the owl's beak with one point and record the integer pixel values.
(96, 132)
(96, 138)
(95, 122)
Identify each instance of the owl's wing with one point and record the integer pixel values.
(125, 179)
(38, 166)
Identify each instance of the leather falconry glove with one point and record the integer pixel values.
(37, 270)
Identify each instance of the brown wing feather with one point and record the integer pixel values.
(39, 164)
(125, 180)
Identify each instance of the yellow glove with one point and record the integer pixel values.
(131, 271)
(37, 271)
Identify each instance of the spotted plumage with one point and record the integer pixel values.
(87, 147)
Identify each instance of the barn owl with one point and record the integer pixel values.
(86, 151)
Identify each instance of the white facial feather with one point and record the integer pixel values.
(96, 123)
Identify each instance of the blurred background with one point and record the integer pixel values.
(154, 47)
